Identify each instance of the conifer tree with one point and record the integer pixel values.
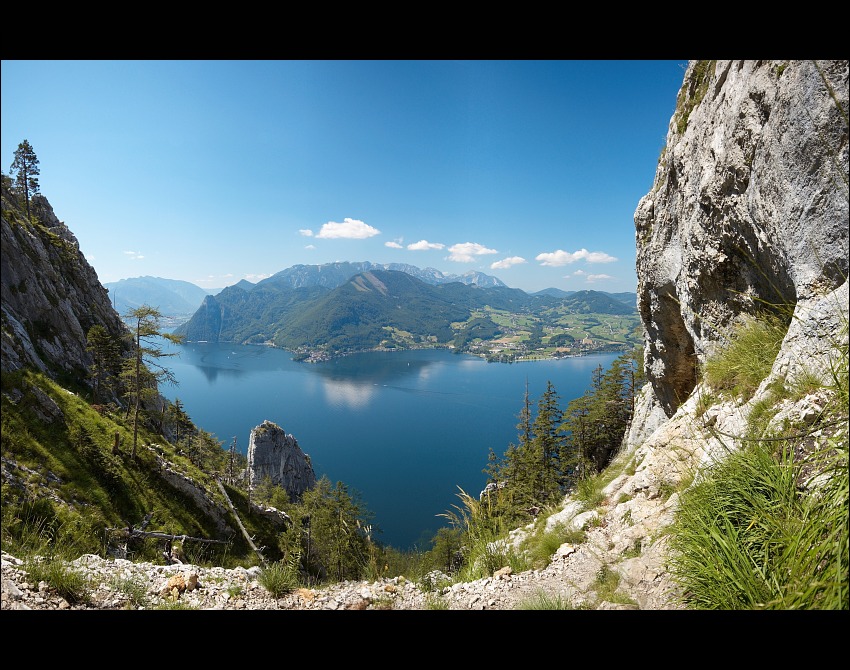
(595, 423)
(179, 418)
(446, 553)
(576, 429)
(338, 542)
(106, 360)
(524, 424)
(231, 461)
(26, 168)
(546, 446)
(143, 372)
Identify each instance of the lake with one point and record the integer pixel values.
(405, 431)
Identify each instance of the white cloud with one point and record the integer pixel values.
(589, 279)
(310, 246)
(350, 229)
(253, 278)
(560, 257)
(134, 255)
(393, 245)
(466, 252)
(505, 263)
(424, 245)
(306, 232)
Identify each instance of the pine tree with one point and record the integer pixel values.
(595, 423)
(524, 425)
(25, 166)
(576, 429)
(231, 461)
(520, 468)
(446, 553)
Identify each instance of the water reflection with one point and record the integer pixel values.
(375, 367)
(348, 394)
(349, 381)
(214, 359)
(353, 381)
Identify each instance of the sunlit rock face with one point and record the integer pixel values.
(749, 207)
(275, 454)
(51, 296)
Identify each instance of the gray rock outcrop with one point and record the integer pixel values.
(275, 454)
(749, 207)
(50, 295)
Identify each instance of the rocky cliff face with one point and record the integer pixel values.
(749, 206)
(51, 296)
(275, 454)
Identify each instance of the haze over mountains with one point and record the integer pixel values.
(172, 297)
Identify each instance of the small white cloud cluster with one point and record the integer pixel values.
(560, 257)
(466, 252)
(349, 229)
(506, 263)
(424, 245)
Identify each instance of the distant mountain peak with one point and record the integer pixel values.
(334, 274)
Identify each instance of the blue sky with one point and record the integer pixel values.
(214, 171)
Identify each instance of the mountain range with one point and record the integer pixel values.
(340, 307)
(332, 275)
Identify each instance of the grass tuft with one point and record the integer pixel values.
(544, 601)
(66, 582)
(280, 577)
(747, 357)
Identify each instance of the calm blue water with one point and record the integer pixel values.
(403, 430)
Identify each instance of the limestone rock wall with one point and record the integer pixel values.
(51, 296)
(749, 206)
(275, 454)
